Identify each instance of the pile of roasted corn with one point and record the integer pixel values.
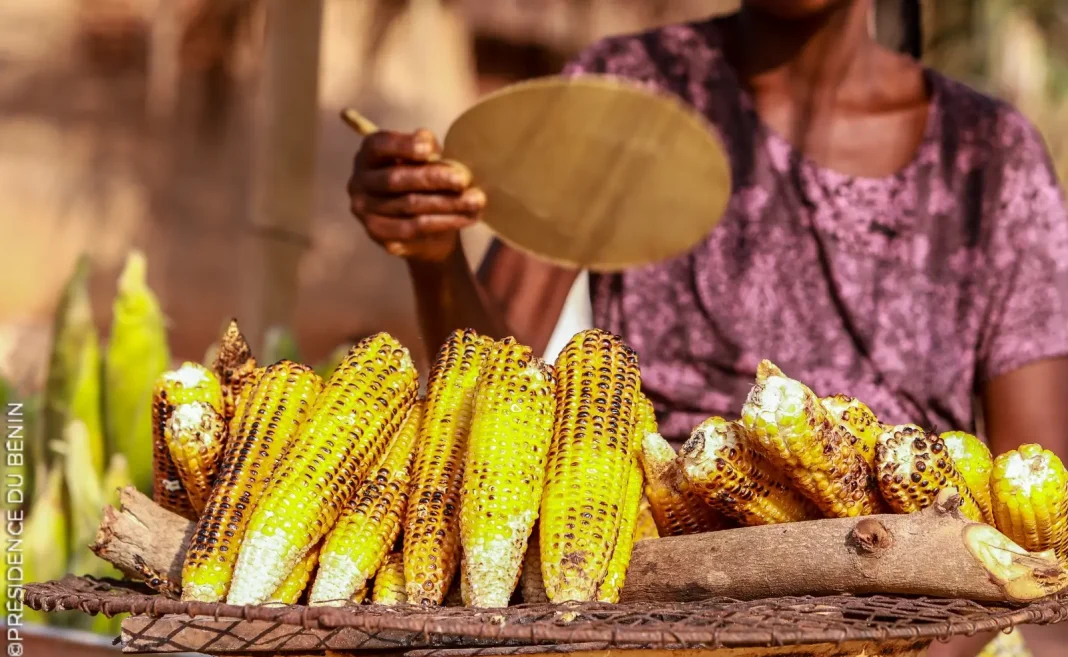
(336, 491)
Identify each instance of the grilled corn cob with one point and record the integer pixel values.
(191, 383)
(797, 435)
(389, 587)
(645, 526)
(275, 411)
(137, 354)
(351, 424)
(596, 393)
(195, 435)
(974, 462)
(432, 524)
(369, 525)
(233, 365)
(504, 473)
(1029, 486)
(677, 509)
(248, 385)
(733, 478)
(859, 423)
(289, 591)
(913, 466)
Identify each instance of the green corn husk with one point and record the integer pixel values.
(72, 389)
(137, 355)
(327, 367)
(45, 541)
(280, 344)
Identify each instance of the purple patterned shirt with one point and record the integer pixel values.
(908, 291)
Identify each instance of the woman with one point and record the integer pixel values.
(892, 234)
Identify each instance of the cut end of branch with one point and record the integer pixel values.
(870, 537)
(948, 503)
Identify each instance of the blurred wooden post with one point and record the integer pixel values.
(283, 177)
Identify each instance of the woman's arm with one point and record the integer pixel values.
(1029, 405)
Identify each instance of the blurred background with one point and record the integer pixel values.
(204, 134)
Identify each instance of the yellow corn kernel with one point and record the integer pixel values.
(733, 478)
(798, 436)
(645, 526)
(276, 409)
(291, 588)
(350, 426)
(677, 510)
(913, 466)
(248, 385)
(195, 436)
(389, 589)
(368, 527)
(610, 588)
(596, 393)
(190, 383)
(1029, 488)
(233, 365)
(504, 473)
(974, 462)
(432, 524)
(858, 422)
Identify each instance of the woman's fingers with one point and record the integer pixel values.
(385, 229)
(406, 179)
(386, 147)
(471, 201)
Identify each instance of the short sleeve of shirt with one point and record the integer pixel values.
(1028, 317)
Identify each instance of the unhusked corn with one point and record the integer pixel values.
(352, 422)
(1029, 488)
(504, 473)
(432, 523)
(677, 510)
(389, 587)
(798, 436)
(974, 462)
(233, 365)
(274, 413)
(596, 392)
(196, 435)
(190, 383)
(291, 588)
(859, 423)
(733, 478)
(913, 466)
(368, 527)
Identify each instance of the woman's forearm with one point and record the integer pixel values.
(448, 297)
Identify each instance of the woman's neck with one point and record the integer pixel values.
(816, 56)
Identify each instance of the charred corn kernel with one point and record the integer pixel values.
(859, 423)
(596, 393)
(504, 473)
(913, 466)
(291, 588)
(276, 409)
(195, 435)
(974, 462)
(645, 526)
(1029, 488)
(609, 589)
(233, 365)
(248, 385)
(368, 527)
(360, 596)
(734, 479)
(432, 524)
(644, 421)
(389, 587)
(798, 436)
(677, 509)
(348, 429)
(191, 383)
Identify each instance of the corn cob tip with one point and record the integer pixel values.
(189, 375)
(657, 454)
(1027, 467)
(698, 453)
(767, 369)
(134, 272)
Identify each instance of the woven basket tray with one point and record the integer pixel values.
(165, 625)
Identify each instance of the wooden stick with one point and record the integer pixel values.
(141, 529)
(936, 552)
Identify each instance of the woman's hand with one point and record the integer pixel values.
(408, 199)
